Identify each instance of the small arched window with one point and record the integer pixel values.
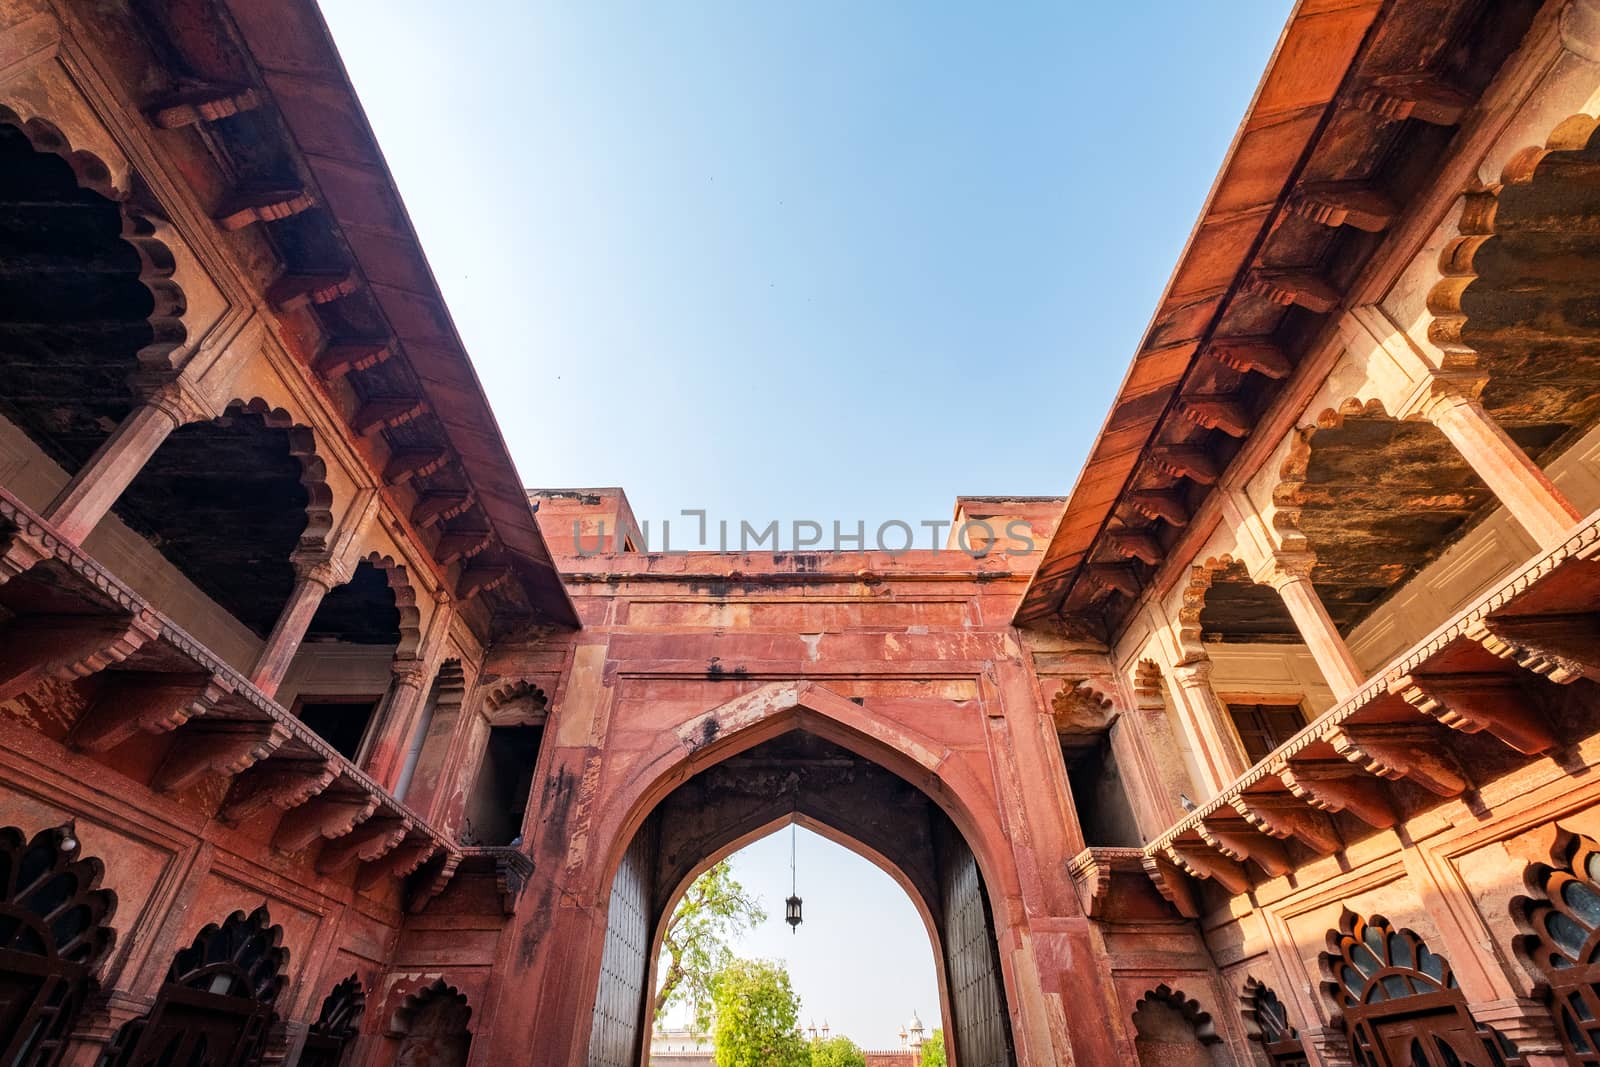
(53, 936)
(336, 1026)
(1401, 1003)
(216, 1006)
(1267, 1021)
(1560, 943)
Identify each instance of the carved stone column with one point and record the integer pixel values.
(408, 687)
(313, 580)
(1290, 575)
(84, 501)
(1211, 731)
(1530, 497)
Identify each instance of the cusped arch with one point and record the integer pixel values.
(1193, 605)
(417, 999)
(405, 602)
(302, 441)
(157, 263)
(1485, 219)
(1162, 999)
(516, 702)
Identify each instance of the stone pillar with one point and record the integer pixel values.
(1530, 497)
(312, 583)
(408, 688)
(84, 501)
(1216, 745)
(1290, 575)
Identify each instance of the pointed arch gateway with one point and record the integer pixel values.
(798, 752)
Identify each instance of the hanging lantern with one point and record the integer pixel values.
(791, 907)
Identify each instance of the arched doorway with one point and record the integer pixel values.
(801, 775)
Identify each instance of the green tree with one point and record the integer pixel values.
(933, 1050)
(757, 1017)
(837, 1052)
(695, 946)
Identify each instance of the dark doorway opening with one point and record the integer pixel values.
(340, 721)
(505, 777)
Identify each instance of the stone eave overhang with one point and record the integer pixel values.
(1495, 670)
(403, 324)
(1299, 206)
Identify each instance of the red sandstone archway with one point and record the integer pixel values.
(954, 781)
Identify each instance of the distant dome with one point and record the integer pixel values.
(915, 1024)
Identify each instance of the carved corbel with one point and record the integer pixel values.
(1400, 751)
(1474, 702)
(1217, 412)
(1283, 815)
(461, 544)
(1172, 883)
(294, 291)
(1348, 203)
(246, 206)
(34, 648)
(1159, 504)
(217, 746)
(481, 579)
(1092, 878)
(385, 413)
(1259, 356)
(1413, 96)
(1183, 461)
(1562, 648)
(134, 702)
(404, 860)
(1335, 785)
(1287, 288)
(1130, 544)
(367, 843)
(1113, 578)
(439, 506)
(512, 869)
(276, 783)
(434, 882)
(323, 816)
(1236, 839)
(407, 463)
(201, 103)
(1202, 862)
(341, 355)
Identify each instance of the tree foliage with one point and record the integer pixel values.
(757, 1017)
(837, 1052)
(695, 946)
(933, 1050)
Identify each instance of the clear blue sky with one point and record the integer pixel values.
(805, 260)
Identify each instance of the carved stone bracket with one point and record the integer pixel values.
(1217, 413)
(1237, 839)
(1523, 1021)
(433, 881)
(1173, 884)
(1401, 751)
(323, 816)
(1284, 815)
(1160, 504)
(134, 702)
(1334, 785)
(371, 841)
(1562, 648)
(1202, 862)
(66, 646)
(404, 860)
(276, 783)
(217, 746)
(1471, 703)
(512, 869)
